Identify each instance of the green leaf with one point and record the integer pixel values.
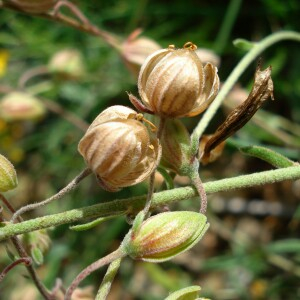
(189, 293)
(37, 255)
(287, 245)
(243, 44)
(275, 159)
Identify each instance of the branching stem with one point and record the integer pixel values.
(71, 186)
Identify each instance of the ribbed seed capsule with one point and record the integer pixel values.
(119, 149)
(173, 83)
(8, 175)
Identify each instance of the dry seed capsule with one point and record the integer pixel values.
(119, 149)
(20, 106)
(173, 83)
(165, 235)
(136, 49)
(8, 175)
(32, 6)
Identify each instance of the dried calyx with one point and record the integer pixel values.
(119, 148)
(262, 90)
(173, 83)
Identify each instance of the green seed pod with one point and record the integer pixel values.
(8, 175)
(165, 235)
(68, 64)
(176, 143)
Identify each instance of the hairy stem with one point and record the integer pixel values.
(71, 186)
(108, 279)
(24, 255)
(254, 52)
(135, 204)
(23, 260)
(91, 268)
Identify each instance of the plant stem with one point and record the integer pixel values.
(256, 50)
(197, 182)
(86, 26)
(71, 186)
(91, 268)
(24, 260)
(23, 254)
(161, 126)
(135, 204)
(227, 24)
(108, 279)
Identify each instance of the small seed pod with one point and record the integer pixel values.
(32, 6)
(165, 235)
(68, 64)
(118, 148)
(19, 106)
(173, 83)
(136, 49)
(176, 144)
(8, 175)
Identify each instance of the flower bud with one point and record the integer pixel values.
(136, 49)
(176, 143)
(37, 243)
(8, 175)
(32, 6)
(165, 235)
(67, 63)
(17, 106)
(173, 83)
(118, 148)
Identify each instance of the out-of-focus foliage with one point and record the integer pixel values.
(251, 250)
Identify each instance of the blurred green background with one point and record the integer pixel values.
(252, 250)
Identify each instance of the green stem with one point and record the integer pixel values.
(254, 52)
(135, 204)
(227, 24)
(108, 279)
(67, 189)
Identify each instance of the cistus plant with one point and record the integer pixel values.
(123, 147)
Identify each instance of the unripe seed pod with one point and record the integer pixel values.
(136, 49)
(165, 235)
(19, 106)
(32, 6)
(176, 144)
(67, 63)
(8, 175)
(173, 83)
(118, 148)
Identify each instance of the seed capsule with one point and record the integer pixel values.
(8, 175)
(165, 235)
(68, 64)
(136, 49)
(173, 83)
(19, 106)
(119, 149)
